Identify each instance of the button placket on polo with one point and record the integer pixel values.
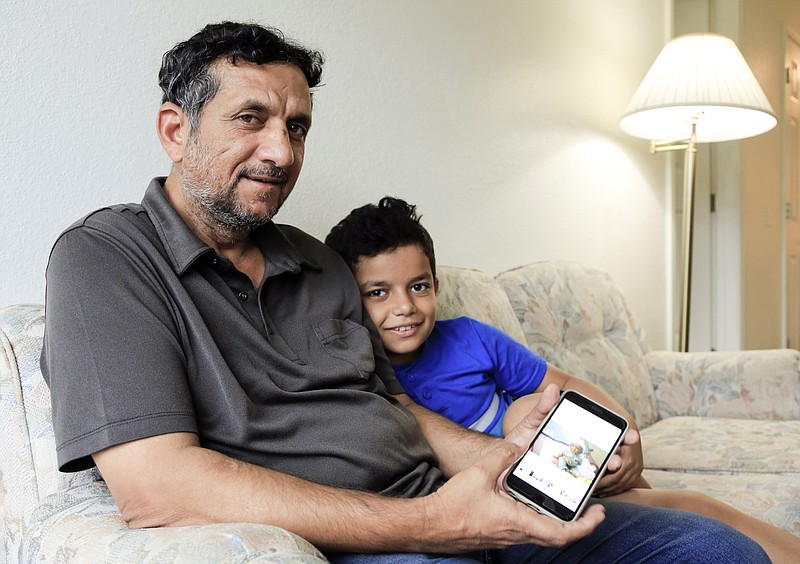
(239, 283)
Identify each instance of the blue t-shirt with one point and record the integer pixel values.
(464, 364)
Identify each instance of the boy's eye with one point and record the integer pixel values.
(375, 293)
(419, 288)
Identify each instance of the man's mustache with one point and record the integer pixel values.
(270, 172)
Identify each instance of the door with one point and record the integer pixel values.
(791, 194)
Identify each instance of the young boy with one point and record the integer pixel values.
(476, 375)
(466, 370)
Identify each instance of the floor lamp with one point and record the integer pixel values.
(699, 90)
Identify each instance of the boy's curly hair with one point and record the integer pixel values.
(374, 229)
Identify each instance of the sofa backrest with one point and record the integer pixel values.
(463, 291)
(577, 318)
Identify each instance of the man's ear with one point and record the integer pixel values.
(172, 127)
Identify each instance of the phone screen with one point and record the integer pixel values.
(567, 457)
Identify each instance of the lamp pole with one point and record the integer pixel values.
(687, 236)
(689, 146)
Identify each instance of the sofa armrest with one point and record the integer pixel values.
(84, 525)
(762, 384)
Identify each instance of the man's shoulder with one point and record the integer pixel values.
(295, 234)
(310, 247)
(109, 216)
(298, 236)
(116, 226)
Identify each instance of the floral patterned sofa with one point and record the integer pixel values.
(724, 423)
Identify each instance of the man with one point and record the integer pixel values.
(218, 367)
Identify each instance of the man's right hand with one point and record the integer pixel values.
(481, 514)
(478, 513)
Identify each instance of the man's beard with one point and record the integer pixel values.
(217, 200)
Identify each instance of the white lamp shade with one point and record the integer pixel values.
(702, 77)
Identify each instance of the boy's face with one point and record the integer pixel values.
(399, 292)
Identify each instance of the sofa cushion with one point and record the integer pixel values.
(710, 444)
(578, 319)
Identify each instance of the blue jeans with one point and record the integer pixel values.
(629, 533)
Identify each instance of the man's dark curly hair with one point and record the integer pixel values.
(185, 79)
(374, 229)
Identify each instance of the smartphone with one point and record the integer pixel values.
(567, 457)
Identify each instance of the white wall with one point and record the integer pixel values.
(497, 118)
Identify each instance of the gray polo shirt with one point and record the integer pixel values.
(149, 331)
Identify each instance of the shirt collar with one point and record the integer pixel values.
(183, 247)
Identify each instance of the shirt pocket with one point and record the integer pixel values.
(348, 341)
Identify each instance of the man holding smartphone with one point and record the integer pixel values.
(222, 369)
(551, 476)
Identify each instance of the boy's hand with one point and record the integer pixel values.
(625, 469)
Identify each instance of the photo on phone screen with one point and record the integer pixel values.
(567, 457)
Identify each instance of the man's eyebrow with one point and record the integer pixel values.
(251, 104)
(301, 117)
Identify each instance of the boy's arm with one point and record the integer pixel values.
(629, 474)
